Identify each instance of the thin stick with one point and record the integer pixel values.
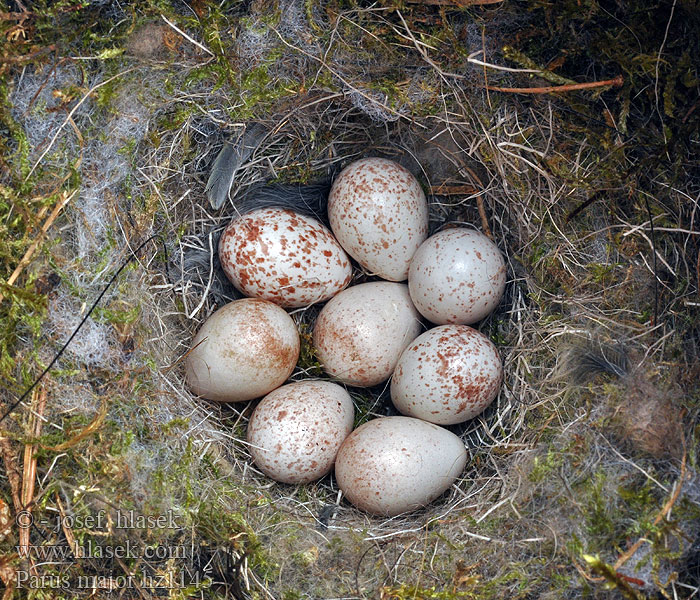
(616, 82)
(482, 63)
(453, 190)
(187, 37)
(70, 117)
(29, 470)
(39, 238)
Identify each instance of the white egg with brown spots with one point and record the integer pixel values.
(295, 431)
(282, 256)
(360, 334)
(244, 350)
(448, 375)
(457, 276)
(379, 214)
(393, 465)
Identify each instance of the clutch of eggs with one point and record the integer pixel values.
(364, 334)
(282, 256)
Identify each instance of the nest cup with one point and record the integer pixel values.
(311, 200)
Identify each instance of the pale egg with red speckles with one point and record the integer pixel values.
(379, 214)
(457, 276)
(243, 351)
(360, 334)
(295, 431)
(282, 256)
(392, 465)
(448, 375)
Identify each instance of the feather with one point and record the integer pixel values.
(307, 199)
(584, 360)
(232, 156)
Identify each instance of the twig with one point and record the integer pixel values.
(452, 190)
(482, 63)
(86, 431)
(187, 37)
(39, 238)
(70, 116)
(14, 16)
(29, 470)
(616, 82)
(585, 204)
(615, 579)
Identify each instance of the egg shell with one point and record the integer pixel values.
(457, 276)
(282, 256)
(295, 431)
(392, 465)
(360, 334)
(379, 214)
(244, 350)
(448, 375)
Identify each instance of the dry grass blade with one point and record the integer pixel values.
(27, 258)
(38, 407)
(84, 433)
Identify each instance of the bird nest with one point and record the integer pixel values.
(571, 486)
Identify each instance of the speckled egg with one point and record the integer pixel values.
(360, 334)
(295, 432)
(244, 350)
(457, 276)
(395, 464)
(281, 256)
(379, 214)
(447, 375)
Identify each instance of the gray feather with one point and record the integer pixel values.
(307, 199)
(232, 156)
(584, 360)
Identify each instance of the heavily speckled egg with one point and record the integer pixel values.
(243, 351)
(457, 276)
(295, 432)
(447, 375)
(379, 214)
(395, 464)
(360, 334)
(281, 256)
